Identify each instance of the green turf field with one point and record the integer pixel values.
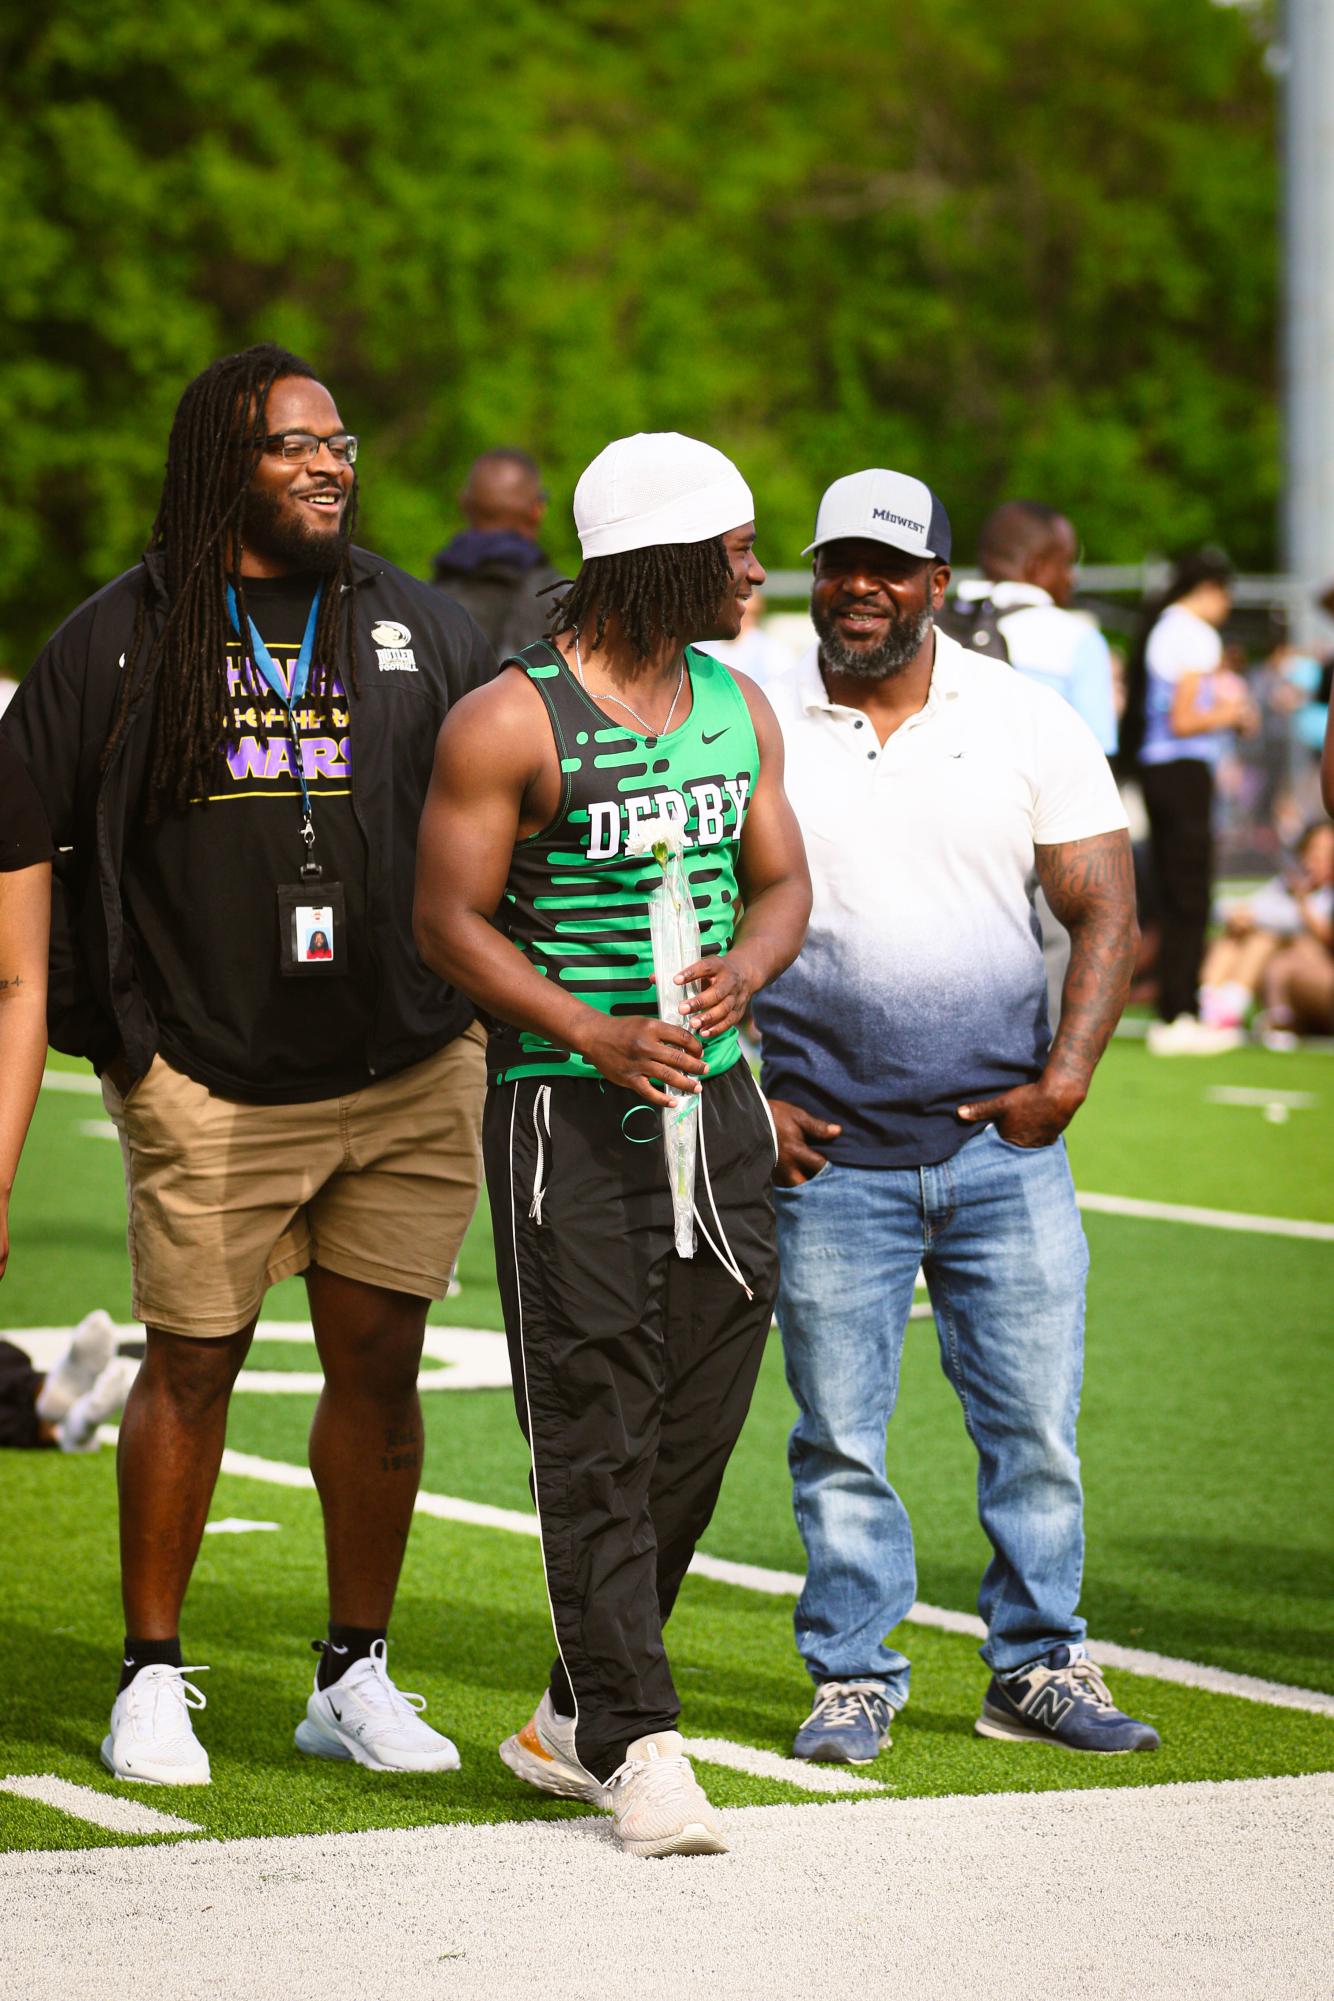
(1205, 1445)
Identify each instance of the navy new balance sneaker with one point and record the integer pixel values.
(1061, 1700)
(849, 1724)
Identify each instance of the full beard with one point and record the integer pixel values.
(271, 531)
(900, 645)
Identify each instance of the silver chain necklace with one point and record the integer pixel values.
(650, 733)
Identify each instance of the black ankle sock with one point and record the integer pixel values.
(144, 1653)
(344, 1645)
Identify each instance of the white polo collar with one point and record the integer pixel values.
(814, 696)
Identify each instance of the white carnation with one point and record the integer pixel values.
(649, 836)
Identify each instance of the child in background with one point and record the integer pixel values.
(1286, 927)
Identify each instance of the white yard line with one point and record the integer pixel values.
(72, 1080)
(108, 1810)
(1210, 1219)
(1107, 1205)
(768, 1765)
(1246, 1094)
(787, 1584)
(1212, 1892)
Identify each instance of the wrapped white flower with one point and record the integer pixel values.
(674, 931)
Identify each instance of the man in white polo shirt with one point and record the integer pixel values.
(919, 1102)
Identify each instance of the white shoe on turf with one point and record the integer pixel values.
(152, 1739)
(543, 1754)
(658, 1805)
(77, 1430)
(92, 1345)
(366, 1718)
(1186, 1036)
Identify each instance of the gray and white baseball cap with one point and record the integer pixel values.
(882, 506)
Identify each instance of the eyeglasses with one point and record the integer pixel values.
(295, 447)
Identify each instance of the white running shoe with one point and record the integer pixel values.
(77, 1430)
(543, 1753)
(658, 1806)
(92, 1345)
(1188, 1037)
(152, 1739)
(365, 1717)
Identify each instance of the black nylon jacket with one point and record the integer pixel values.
(58, 723)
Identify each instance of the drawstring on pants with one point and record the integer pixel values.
(725, 1256)
(541, 1112)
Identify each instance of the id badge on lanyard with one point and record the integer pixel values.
(312, 919)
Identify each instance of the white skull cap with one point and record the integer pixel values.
(657, 487)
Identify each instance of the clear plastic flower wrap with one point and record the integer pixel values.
(674, 931)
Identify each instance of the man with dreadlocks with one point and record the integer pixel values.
(280, 1110)
(633, 1367)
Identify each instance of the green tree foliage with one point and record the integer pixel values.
(1013, 249)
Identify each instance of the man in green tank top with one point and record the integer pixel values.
(633, 1366)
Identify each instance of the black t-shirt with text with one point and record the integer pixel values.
(201, 890)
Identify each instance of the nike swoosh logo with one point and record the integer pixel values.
(337, 1712)
(704, 736)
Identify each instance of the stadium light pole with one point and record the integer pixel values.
(1306, 63)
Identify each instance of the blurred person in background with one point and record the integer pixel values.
(1028, 554)
(1289, 920)
(62, 1406)
(1183, 707)
(274, 1116)
(25, 919)
(496, 566)
(1297, 986)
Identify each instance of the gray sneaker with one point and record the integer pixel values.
(1062, 1700)
(849, 1724)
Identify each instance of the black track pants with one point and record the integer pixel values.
(633, 1368)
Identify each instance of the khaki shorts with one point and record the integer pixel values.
(225, 1199)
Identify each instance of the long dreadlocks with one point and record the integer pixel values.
(670, 592)
(217, 440)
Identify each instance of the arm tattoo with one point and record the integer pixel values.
(1090, 886)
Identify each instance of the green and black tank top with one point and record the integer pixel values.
(575, 904)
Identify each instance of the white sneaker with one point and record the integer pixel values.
(658, 1806)
(543, 1753)
(365, 1717)
(1188, 1037)
(92, 1345)
(77, 1431)
(152, 1739)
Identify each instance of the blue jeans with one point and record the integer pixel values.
(998, 1234)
